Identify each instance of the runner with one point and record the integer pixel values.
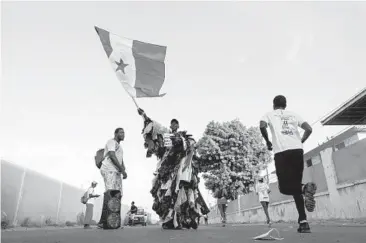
(263, 191)
(289, 156)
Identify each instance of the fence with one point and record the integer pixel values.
(28, 194)
(341, 180)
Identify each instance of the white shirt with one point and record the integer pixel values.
(284, 128)
(107, 164)
(262, 190)
(91, 200)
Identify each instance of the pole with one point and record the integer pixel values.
(59, 202)
(134, 101)
(239, 209)
(19, 198)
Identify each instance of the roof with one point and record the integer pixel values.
(352, 112)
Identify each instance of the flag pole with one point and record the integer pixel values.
(134, 101)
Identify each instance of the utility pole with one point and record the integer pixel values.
(59, 202)
(19, 197)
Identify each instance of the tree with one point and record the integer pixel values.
(229, 154)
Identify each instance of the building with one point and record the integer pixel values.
(351, 136)
(352, 112)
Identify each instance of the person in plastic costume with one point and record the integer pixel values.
(177, 199)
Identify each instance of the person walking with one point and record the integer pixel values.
(90, 205)
(289, 156)
(222, 205)
(206, 219)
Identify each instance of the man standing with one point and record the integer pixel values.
(90, 205)
(262, 190)
(289, 156)
(113, 165)
(112, 168)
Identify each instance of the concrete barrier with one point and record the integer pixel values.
(28, 194)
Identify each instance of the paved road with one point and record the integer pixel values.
(205, 234)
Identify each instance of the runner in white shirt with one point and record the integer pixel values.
(145, 219)
(263, 191)
(289, 156)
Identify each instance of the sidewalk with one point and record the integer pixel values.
(361, 222)
(22, 229)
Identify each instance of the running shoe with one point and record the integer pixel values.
(304, 228)
(309, 192)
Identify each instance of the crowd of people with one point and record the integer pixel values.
(176, 197)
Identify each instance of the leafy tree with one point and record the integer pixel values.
(229, 155)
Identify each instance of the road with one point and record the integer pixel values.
(205, 234)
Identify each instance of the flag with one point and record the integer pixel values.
(138, 65)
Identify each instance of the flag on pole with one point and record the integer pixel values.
(138, 65)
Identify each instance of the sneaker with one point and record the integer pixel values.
(304, 228)
(309, 191)
(269, 222)
(87, 226)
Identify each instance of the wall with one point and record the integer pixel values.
(341, 180)
(11, 177)
(350, 164)
(41, 197)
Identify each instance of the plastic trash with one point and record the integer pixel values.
(268, 236)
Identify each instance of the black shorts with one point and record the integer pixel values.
(265, 204)
(289, 169)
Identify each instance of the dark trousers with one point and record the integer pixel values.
(289, 169)
(222, 209)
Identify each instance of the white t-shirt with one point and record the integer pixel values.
(284, 128)
(107, 164)
(91, 200)
(262, 190)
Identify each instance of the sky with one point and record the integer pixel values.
(61, 100)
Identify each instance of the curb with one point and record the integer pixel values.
(323, 224)
(21, 229)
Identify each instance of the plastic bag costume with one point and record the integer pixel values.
(177, 199)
